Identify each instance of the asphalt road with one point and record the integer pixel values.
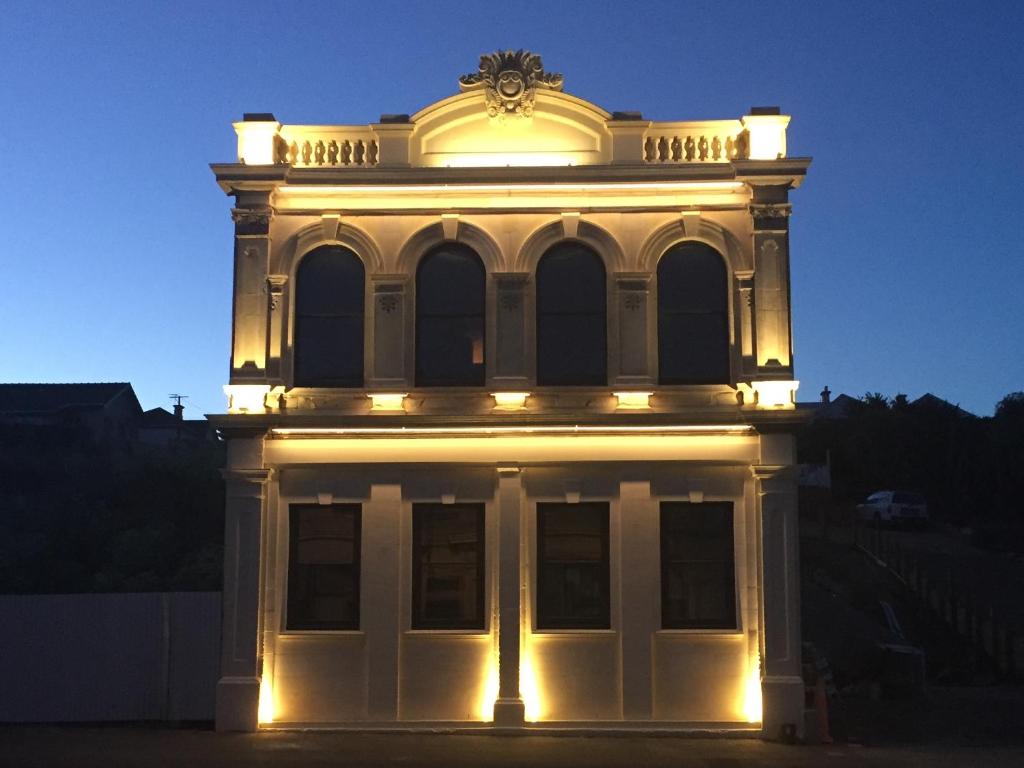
(125, 747)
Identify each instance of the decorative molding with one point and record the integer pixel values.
(570, 224)
(252, 218)
(330, 223)
(450, 226)
(275, 284)
(509, 80)
(388, 302)
(761, 211)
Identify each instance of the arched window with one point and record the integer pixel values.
(693, 322)
(329, 318)
(450, 299)
(571, 317)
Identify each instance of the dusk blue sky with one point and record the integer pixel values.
(906, 241)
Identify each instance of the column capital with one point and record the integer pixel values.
(252, 220)
(511, 280)
(248, 483)
(770, 217)
(774, 474)
(633, 281)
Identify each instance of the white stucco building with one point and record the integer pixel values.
(509, 418)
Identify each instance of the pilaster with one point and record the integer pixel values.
(773, 341)
(781, 680)
(745, 290)
(639, 603)
(380, 598)
(509, 710)
(241, 653)
(392, 332)
(252, 217)
(635, 352)
(276, 314)
(510, 371)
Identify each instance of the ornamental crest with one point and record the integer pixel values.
(509, 80)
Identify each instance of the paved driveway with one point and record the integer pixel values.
(124, 747)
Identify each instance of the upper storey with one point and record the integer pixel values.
(510, 114)
(659, 249)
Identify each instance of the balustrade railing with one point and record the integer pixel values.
(326, 147)
(695, 143)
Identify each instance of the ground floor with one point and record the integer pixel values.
(607, 580)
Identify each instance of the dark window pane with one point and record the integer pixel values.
(693, 322)
(448, 566)
(698, 579)
(323, 567)
(329, 319)
(450, 331)
(571, 317)
(572, 575)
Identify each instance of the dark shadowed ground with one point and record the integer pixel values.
(124, 747)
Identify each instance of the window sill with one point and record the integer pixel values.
(575, 632)
(321, 633)
(454, 633)
(699, 632)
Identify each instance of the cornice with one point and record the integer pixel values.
(234, 177)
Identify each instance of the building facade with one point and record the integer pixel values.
(509, 422)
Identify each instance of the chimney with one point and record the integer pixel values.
(901, 400)
(826, 395)
(179, 411)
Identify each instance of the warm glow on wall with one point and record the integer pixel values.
(265, 712)
(775, 394)
(490, 689)
(246, 398)
(752, 693)
(509, 159)
(528, 688)
(388, 401)
(510, 401)
(256, 141)
(633, 401)
(767, 136)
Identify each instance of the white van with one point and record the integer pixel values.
(894, 507)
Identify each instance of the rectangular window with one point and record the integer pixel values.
(698, 566)
(323, 566)
(448, 566)
(572, 566)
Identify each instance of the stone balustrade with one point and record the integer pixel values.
(326, 147)
(703, 142)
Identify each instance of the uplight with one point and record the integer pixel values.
(633, 401)
(246, 398)
(265, 711)
(775, 394)
(388, 401)
(510, 401)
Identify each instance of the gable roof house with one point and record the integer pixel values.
(107, 411)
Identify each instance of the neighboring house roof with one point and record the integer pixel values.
(838, 408)
(928, 400)
(53, 398)
(159, 420)
(158, 417)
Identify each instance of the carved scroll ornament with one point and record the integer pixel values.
(509, 80)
